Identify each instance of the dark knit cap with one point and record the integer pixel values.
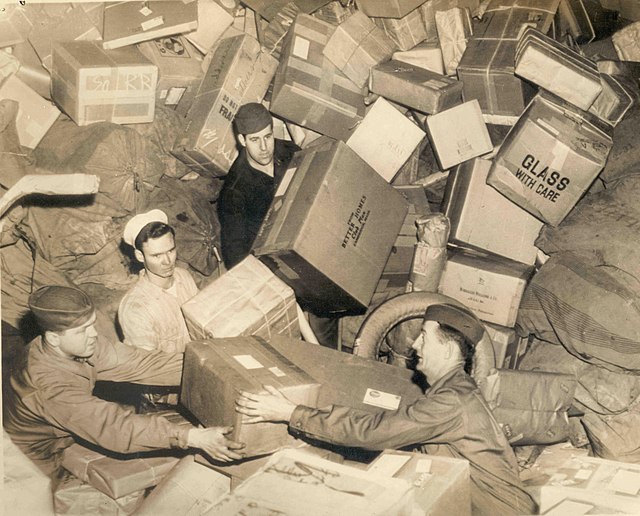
(251, 118)
(457, 318)
(58, 308)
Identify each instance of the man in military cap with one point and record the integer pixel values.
(50, 401)
(452, 420)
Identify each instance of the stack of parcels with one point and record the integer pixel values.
(294, 482)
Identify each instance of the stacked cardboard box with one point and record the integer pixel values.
(405, 32)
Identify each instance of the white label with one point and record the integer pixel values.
(381, 399)
(284, 184)
(248, 362)
(301, 48)
(277, 372)
(389, 464)
(423, 466)
(626, 482)
(145, 11)
(174, 96)
(153, 22)
(583, 474)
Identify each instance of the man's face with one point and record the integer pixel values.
(259, 146)
(431, 349)
(80, 341)
(159, 256)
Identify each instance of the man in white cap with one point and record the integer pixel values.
(149, 314)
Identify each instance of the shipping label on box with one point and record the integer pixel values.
(35, 114)
(213, 21)
(308, 89)
(246, 300)
(414, 87)
(478, 213)
(227, 367)
(558, 69)
(549, 158)
(619, 94)
(490, 285)
(405, 32)
(356, 45)
(459, 134)
(239, 72)
(95, 85)
(426, 55)
(441, 485)
(331, 227)
(454, 30)
(385, 139)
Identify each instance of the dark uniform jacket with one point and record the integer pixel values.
(452, 420)
(245, 199)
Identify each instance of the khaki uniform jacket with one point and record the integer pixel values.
(452, 420)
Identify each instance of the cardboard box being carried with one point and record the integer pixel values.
(426, 55)
(478, 215)
(248, 299)
(95, 85)
(308, 89)
(35, 114)
(405, 32)
(228, 366)
(331, 227)
(294, 482)
(441, 485)
(458, 134)
(385, 139)
(549, 158)
(417, 88)
(490, 285)
(558, 69)
(356, 45)
(239, 72)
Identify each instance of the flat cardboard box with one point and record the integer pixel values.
(239, 72)
(549, 158)
(426, 55)
(213, 21)
(458, 134)
(557, 69)
(619, 94)
(248, 299)
(490, 285)
(308, 89)
(441, 485)
(478, 213)
(406, 32)
(179, 69)
(417, 88)
(356, 45)
(385, 139)
(295, 482)
(127, 23)
(227, 367)
(454, 31)
(330, 228)
(95, 85)
(388, 8)
(35, 115)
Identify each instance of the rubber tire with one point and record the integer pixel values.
(408, 306)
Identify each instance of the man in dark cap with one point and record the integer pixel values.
(452, 420)
(50, 401)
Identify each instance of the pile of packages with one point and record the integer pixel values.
(516, 119)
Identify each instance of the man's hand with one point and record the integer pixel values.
(267, 406)
(213, 442)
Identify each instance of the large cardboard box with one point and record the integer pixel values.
(127, 23)
(213, 21)
(558, 69)
(454, 31)
(441, 485)
(95, 85)
(35, 114)
(248, 299)
(385, 139)
(490, 285)
(294, 482)
(239, 72)
(426, 55)
(459, 134)
(179, 69)
(405, 32)
(478, 213)
(549, 158)
(356, 45)
(415, 87)
(388, 8)
(308, 89)
(217, 370)
(506, 19)
(330, 228)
